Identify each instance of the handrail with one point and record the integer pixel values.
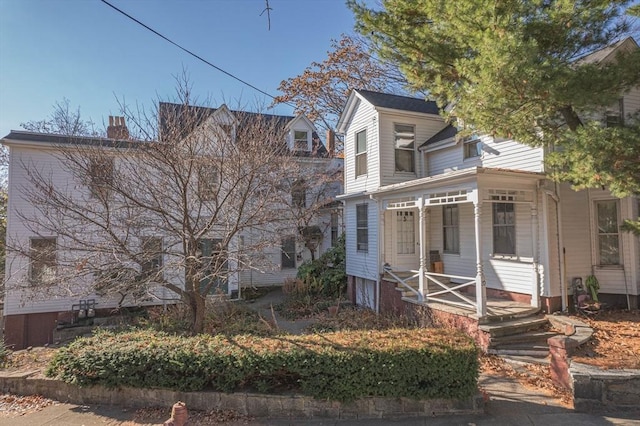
(387, 269)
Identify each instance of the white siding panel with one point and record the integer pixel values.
(364, 118)
(631, 101)
(359, 264)
(463, 264)
(425, 127)
(576, 232)
(509, 154)
(444, 160)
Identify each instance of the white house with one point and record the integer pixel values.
(30, 316)
(466, 222)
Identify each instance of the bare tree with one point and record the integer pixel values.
(63, 121)
(321, 91)
(177, 214)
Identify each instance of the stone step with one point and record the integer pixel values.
(514, 326)
(521, 313)
(524, 338)
(524, 350)
(517, 361)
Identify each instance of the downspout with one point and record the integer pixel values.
(379, 252)
(555, 196)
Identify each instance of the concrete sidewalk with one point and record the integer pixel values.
(510, 404)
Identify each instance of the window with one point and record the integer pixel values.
(208, 181)
(406, 232)
(504, 228)
(300, 140)
(299, 194)
(361, 153)
(608, 233)
(614, 118)
(404, 147)
(212, 254)
(472, 147)
(288, 253)
(226, 131)
(101, 176)
(151, 256)
(42, 253)
(450, 229)
(362, 228)
(335, 228)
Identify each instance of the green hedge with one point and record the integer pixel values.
(418, 363)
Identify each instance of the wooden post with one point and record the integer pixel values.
(481, 288)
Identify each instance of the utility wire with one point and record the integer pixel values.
(191, 53)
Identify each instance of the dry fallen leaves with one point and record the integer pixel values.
(14, 405)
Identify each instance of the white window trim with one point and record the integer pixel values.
(395, 148)
(308, 140)
(468, 141)
(595, 234)
(366, 150)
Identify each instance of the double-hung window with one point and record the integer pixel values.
(288, 253)
(152, 256)
(42, 253)
(362, 228)
(450, 228)
(504, 228)
(208, 181)
(608, 232)
(404, 135)
(100, 176)
(361, 153)
(299, 194)
(300, 140)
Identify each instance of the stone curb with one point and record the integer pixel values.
(254, 405)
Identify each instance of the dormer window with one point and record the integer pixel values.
(405, 147)
(472, 147)
(301, 140)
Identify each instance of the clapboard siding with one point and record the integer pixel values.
(359, 264)
(631, 101)
(509, 154)
(365, 118)
(425, 127)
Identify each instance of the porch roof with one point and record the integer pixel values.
(456, 175)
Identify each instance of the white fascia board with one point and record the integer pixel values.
(445, 143)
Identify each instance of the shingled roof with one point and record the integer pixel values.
(402, 103)
(446, 133)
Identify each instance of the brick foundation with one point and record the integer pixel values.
(391, 299)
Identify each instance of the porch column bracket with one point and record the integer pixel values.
(421, 239)
(481, 287)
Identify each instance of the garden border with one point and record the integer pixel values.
(249, 404)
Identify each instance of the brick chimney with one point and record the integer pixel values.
(331, 143)
(117, 129)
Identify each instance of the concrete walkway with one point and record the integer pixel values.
(510, 403)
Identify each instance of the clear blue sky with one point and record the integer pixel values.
(86, 52)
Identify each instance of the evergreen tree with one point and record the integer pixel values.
(522, 69)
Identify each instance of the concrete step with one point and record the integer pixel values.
(520, 313)
(517, 361)
(514, 326)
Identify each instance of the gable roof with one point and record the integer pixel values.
(402, 103)
(605, 54)
(446, 133)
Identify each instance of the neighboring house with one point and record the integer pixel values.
(463, 221)
(30, 320)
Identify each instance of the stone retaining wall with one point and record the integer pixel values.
(596, 390)
(254, 405)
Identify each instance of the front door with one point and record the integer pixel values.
(405, 239)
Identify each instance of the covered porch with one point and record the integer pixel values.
(447, 244)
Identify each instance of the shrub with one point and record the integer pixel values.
(327, 274)
(420, 363)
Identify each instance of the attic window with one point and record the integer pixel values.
(472, 147)
(404, 145)
(226, 130)
(301, 140)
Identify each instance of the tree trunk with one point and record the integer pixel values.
(198, 312)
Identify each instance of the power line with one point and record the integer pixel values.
(191, 53)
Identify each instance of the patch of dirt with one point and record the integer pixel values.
(14, 405)
(33, 359)
(615, 343)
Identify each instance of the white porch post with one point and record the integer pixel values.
(421, 238)
(481, 288)
(537, 279)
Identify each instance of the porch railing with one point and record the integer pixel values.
(442, 289)
(404, 281)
